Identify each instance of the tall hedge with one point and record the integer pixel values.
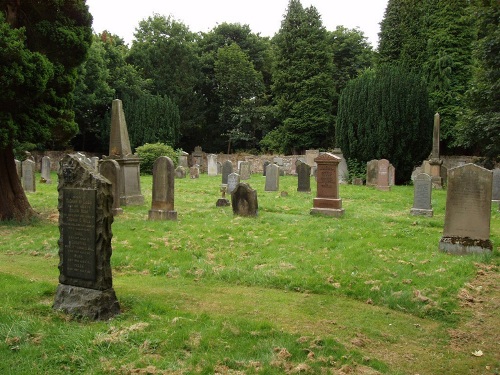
(384, 113)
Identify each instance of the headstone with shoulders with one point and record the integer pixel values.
(422, 194)
(85, 216)
(244, 170)
(120, 150)
(28, 167)
(162, 205)
(272, 178)
(110, 169)
(304, 176)
(327, 201)
(244, 200)
(383, 175)
(183, 159)
(227, 169)
(468, 211)
(45, 170)
(232, 182)
(212, 165)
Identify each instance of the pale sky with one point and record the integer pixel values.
(263, 16)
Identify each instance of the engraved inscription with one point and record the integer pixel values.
(79, 226)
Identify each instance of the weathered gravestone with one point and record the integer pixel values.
(422, 196)
(180, 172)
(162, 205)
(272, 178)
(212, 165)
(383, 175)
(223, 201)
(110, 169)
(19, 168)
(495, 193)
(232, 182)
(468, 211)
(197, 157)
(343, 170)
(264, 166)
(244, 200)
(183, 159)
(227, 169)
(194, 172)
(244, 170)
(95, 162)
(45, 170)
(219, 167)
(120, 150)
(392, 175)
(304, 176)
(28, 167)
(371, 172)
(85, 216)
(327, 201)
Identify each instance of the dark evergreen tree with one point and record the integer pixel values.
(384, 113)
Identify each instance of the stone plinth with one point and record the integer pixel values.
(327, 201)
(162, 205)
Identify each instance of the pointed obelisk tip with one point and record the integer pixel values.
(119, 143)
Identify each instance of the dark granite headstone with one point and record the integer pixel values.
(244, 200)
(264, 167)
(422, 196)
(304, 177)
(371, 172)
(227, 169)
(85, 216)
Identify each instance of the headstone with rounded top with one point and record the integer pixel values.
(45, 170)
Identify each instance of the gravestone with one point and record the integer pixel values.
(327, 201)
(219, 167)
(495, 192)
(310, 156)
(304, 176)
(85, 204)
(244, 170)
(19, 168)
(435, 162)
(183, 159)
(392, 175)
(28, 172)
(372, 172)
(110, 169)
(222, 201)
(212, 165)
(120, 150)
(45, 170)
(264, 166)
(232, 182)
(244, 200)
(227, 169)
(357, 181)
(468, 211)
(95, 162)
(180, 172)
(383, 175)
(343, 170)
(194, 171)
(197, 157)
(422, 193)
(162, 205)
(272, 178)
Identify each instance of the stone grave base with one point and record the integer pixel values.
(421, 212)
(162, 215)
(335, 212)
(132, 200)
(86, 303)
(223, 202)
(383, 188)
(464, 245)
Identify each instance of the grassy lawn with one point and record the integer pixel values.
(286, 292)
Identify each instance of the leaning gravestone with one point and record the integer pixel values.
(232, 182)
(110, 169)
(244, 200)
(371, 172)
(45, 170)
(162, 206)
(244, 170)
(85, 202)
(468, 211)
(212, 165)
(272, 178)
(28, 167)
(227, 169)
(304, 177)
(422, 196)
(383, 177)
(327, 201)
(495, 194)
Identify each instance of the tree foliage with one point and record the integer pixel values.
(384, 113)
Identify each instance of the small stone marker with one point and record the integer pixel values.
(304, 176)
(371, 172)
(28, 167)
(422, 196)
(180, 172)
(468, 211)
(227, 169)
(232, 182)
(194, 171)
(327, 201)
(383, 175)
(244, 200)
(45, 171)
(272, 178)
(85, 202)
(244, 170)
(212, 165)
(495, 193)
(162, 205)
(110, 169)
(223, 201)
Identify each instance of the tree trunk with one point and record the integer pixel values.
(14, 204)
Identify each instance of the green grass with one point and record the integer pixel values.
(212, 292)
